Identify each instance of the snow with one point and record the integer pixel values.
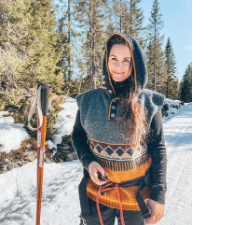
(60, 201)
(65, 120)
(64, 126)
(11, 135)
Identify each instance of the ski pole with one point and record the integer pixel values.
(42, 103)
(41, 149)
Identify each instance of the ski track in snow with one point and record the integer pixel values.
(60, 201)
(178, 136)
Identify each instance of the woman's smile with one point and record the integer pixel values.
(117, 72)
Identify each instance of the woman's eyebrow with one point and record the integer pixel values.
(124, 57)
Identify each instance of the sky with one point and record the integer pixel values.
(177, 17)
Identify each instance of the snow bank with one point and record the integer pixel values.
(65, 120)
(11, 135)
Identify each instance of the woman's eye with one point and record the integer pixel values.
(114, 59)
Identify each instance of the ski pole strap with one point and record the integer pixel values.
(36, 102)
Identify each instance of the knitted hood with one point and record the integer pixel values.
(139, 65)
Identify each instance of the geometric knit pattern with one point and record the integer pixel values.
(117, 152)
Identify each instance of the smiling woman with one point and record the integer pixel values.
(125, 166)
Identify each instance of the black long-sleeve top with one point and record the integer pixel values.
(156, 148)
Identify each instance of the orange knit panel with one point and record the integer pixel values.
(123, 176)
(128, 194)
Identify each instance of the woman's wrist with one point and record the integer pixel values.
(86, 160)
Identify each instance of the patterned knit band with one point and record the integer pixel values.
(119, 157)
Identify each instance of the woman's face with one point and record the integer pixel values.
(120, 64)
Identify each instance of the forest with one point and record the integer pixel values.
(62, 43)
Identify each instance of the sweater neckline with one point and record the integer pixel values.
(120, 84)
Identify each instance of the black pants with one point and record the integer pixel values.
(109, 215)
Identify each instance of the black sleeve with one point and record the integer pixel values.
(80, 144)
(157, 150)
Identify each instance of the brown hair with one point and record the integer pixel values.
(132, 114)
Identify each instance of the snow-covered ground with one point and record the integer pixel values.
(64, 126)
(178, 137)
(8, 130)
(60, 201)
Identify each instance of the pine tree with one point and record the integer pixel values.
(120, 16)
(68, 33)
(90, 16)
(30, 53)
(136, 22)
(128, 19)
(170, 64)
(154, 52)
(186, 85)
(12, 55)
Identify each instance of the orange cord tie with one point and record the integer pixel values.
(104, 189)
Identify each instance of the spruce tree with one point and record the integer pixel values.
(170, 64)
(154, 52)
(186, 85)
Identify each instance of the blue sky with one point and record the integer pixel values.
(177, 17)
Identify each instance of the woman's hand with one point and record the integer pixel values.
(157, 210)
(95, 168)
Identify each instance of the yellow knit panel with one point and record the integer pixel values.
(123, 176)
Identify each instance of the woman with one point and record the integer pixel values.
(118, 135)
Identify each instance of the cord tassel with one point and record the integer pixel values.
(103, 189)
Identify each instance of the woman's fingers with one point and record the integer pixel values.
(97, 180)
(94, 169)
(157, 210)
(153, 219)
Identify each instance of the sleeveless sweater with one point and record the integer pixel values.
(122, 160)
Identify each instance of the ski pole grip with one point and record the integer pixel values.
(44, 98)
(39, 84)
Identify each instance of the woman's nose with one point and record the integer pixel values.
(119, 64)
